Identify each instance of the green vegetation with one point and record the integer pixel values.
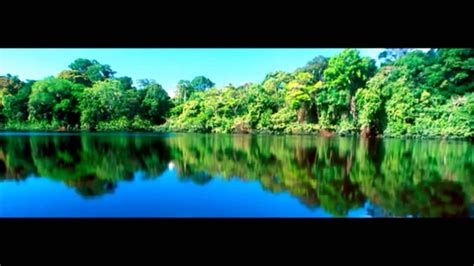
(92, 164)
(412, 93)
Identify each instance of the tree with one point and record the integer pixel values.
(126, 83)
(142, 83)
(315, 67)
(75, 76)
(276, 81)
(109, 105)
(105, 101)
(54, 100)
(301, 97)
(453, 73)
(261, 105)
(401, 108)
(274, 84)
(348, 71)
(201, 83)
(332, 105)
(414, 93)
(234, 101)
(99, 72)
(156, 103)
(371, 101)
(82, 64)
(9, 85)
(391, 55)
(413, 68)
(92, 69)
(184, 90)
(15, 107)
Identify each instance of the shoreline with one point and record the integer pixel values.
(157, 132)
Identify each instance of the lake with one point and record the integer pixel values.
(213, 175)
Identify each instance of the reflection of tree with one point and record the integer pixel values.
(89, 186)
(403, 177)
(199, 178)
(56, 157)
(422, 178)
(15, 158)
(93, 164)
(293, 164)
(339, 196)
(338, 174)
(427, 199)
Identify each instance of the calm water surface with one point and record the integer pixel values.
(204, 175)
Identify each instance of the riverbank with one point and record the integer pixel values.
(325, 132)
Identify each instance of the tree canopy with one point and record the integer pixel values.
(412, 93)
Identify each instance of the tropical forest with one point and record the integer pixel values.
(409, 93)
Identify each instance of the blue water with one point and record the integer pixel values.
(212, 175)
(164, 196)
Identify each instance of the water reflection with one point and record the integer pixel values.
(91, 164)
(421, 178)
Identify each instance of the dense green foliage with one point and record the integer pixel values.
(86, 97)
(426, 178)
(412, 93)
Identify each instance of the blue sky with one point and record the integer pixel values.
(167, 66)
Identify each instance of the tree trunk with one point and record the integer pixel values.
(366, 132)
(353, 110)
(302, 114)
(307, 113)
(312, 116)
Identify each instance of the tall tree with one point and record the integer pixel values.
(76, 77)
(389, 56)
(455, 67)
(15, 106)
(105, 101)
(315, 67)
(156, 103)
(9, 85)
(92, 69)
(201, 83)
(349, 72)
(301, 96)
(55, 100)
(184, 90)
(126, 83)
(82, 64)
